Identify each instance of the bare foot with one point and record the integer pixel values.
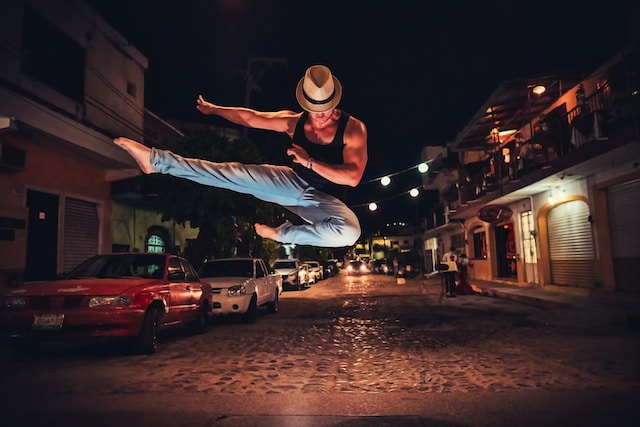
(267, 232)
(139, 152)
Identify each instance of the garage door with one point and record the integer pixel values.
(80, 232)
(571, 245)
(623, 205)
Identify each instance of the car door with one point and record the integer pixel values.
(180, 292)
(261, 283)
(197, 287)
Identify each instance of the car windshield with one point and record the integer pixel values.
(120, 265)
(285, 264)
(227, 268)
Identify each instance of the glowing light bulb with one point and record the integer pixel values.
(385, 181)
(423, 167)
(373, 206)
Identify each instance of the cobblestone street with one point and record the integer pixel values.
(357, 335)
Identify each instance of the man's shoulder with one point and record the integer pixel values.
(355, 127)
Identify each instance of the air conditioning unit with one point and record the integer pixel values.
(12, 158)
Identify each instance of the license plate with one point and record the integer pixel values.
(48, 321)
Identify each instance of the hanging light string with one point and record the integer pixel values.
(385, 180)
(422, 167)
(386, 199)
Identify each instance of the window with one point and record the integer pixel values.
(457, 240)
(131, 89)
(52, 57)
(479, 243)
(155, 244)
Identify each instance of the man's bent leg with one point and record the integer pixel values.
(330, 222)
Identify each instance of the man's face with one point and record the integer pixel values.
(320, 119)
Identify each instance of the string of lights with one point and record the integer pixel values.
(385, 180)
(413, 192)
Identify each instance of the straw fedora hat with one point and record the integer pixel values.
(318, 90)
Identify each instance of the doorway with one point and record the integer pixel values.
(506, 251)
(42, 236)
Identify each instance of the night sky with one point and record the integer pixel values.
(414, 72)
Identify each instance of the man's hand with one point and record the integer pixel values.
(205, 107)
(299, 154)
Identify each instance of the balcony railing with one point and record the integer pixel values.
(557, 135)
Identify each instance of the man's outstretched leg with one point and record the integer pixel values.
(139, 152)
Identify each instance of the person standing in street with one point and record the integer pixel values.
(328, 153)
(451, 260)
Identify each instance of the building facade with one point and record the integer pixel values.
(548, 183)
(69, 83)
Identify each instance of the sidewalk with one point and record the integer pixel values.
(620, 309)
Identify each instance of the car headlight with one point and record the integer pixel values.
(112, 300)
(237, 290)
(13, 302)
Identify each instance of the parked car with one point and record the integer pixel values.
(316, 272)
(308, 277)
(356, 267)
(128, 296)
(240, 286)
(381, 266)
(294, 275)
(330, 267)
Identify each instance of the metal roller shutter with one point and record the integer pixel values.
(623, 205)
(571, 245)
(80, 232)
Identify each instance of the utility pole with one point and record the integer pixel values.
(256, 67)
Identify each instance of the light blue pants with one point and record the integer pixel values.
(330, 223)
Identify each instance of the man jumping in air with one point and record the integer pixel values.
(328, 153)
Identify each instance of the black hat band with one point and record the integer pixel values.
(313, 101)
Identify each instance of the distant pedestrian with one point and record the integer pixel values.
(451, 260)
(463, 287)
(395, 267)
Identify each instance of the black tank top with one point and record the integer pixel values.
(328, 153)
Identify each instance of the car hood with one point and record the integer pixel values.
(285, 270)
(224, 282)
(83, 286)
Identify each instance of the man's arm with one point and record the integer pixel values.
(278, 121)
(354, 157)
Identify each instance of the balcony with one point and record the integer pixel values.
(557, 138)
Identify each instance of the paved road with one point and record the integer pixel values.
(349, 351)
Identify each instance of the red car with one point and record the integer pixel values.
(130, 296)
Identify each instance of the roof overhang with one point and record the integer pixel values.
(511, 106)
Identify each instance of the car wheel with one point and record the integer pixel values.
(199, 324)
(272, 306)
(147, 342)
(252, 312)
(24, 347)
